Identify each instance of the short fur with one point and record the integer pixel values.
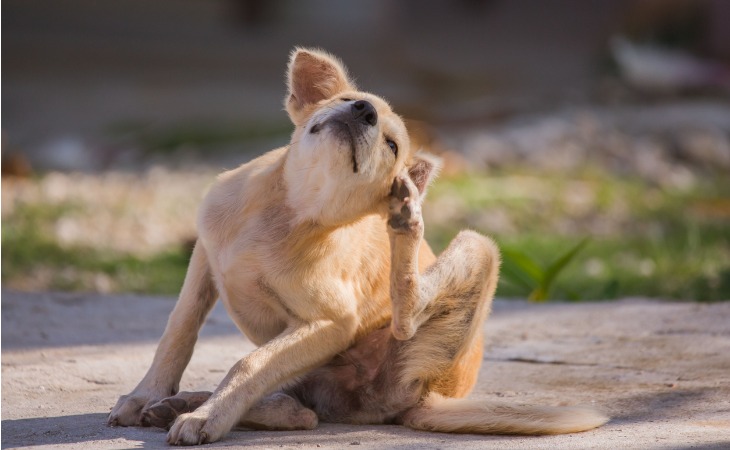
(316, 249)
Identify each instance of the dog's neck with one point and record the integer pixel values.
(316, 197)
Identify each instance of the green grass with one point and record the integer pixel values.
(645, 240)
(522, 270)
(32, 258)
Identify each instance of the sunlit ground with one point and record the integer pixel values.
(132, 232)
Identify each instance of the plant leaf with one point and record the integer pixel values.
(513, 274)
(557, 266)
(525, 263)
(538, 295)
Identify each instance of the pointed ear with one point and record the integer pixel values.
(423, 169)
(313, 75)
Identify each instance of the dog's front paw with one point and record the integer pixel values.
(404, 207)
(195, 428)
(128, 410)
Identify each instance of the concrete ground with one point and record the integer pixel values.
(661, 370)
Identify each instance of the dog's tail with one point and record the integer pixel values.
(455, 415)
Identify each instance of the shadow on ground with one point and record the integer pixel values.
(42, 320)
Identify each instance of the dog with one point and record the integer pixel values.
(316, 250)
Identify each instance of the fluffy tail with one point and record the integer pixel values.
(452, 415)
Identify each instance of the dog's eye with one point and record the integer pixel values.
(346, 99)
(393, 146)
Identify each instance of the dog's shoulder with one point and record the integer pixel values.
(243, 193)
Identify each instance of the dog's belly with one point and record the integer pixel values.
(360, 385)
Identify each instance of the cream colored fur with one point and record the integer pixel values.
(310, 247)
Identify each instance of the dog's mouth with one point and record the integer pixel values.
(347, 132)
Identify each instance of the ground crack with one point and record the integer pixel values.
(520, 359)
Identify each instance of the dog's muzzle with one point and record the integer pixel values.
(350, 125)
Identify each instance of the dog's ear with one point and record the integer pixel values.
(423, 169)
(313, 75)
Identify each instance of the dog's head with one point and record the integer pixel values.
(347, 146)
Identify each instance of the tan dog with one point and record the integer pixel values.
(314, 249)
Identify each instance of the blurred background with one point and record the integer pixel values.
(591, 138)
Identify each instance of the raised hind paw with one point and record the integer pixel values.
(404, 214)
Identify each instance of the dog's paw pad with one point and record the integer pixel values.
(405, 206)
(401, 189)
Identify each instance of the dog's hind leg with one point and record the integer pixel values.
(463, 277)
(277, 411)
(163, 413)
(448, 305)
(441, 314)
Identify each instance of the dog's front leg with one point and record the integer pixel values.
(175, 349)
(300, 348)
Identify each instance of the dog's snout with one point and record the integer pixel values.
(364, 111)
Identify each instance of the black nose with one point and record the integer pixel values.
(365, 112)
